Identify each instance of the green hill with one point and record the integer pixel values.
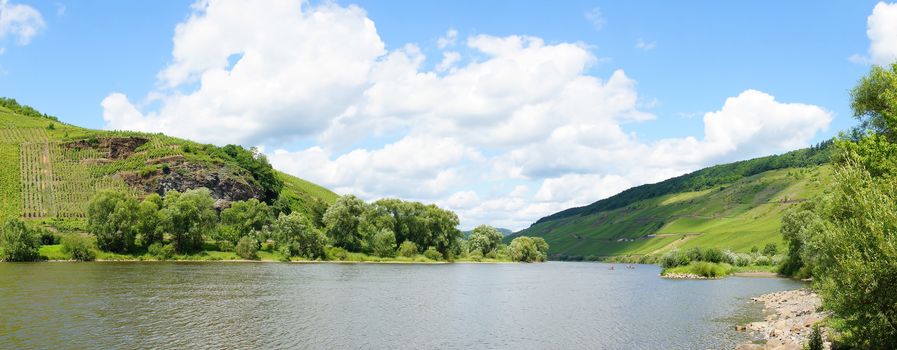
(51, 169)
(733, 206)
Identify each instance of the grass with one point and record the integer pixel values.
(702, 268)
(735, 216)
(54, 252)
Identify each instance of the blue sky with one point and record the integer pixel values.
(678, 61)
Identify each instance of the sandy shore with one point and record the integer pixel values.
(789, 321)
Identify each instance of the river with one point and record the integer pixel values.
(556, 305)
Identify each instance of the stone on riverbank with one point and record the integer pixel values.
(789, 322)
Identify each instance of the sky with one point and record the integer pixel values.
(503, 111)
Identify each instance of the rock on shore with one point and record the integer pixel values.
(789, 321)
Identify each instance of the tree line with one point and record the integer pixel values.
(846, 239)
(188, 222)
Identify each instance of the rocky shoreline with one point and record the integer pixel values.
(789, 321)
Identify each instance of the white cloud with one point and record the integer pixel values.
(20, 21)
(882, 33)
(597, 19)
(448, 40)
(516, 132)
(645, 45)
(297, 68)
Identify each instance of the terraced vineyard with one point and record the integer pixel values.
(50, 170)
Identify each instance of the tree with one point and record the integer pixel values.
(408, 249)
(247, 248)
(18, 242)
(443, 228)
(299, 236)
(375, 220)
(771, 249)
(484, 239)
(383, 243)
(243, 218)
(112, 217)
(150, 224)
(190, 215)
(342, 220)
(528, 249)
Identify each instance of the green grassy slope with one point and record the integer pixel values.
(50, 169)
(737, 214)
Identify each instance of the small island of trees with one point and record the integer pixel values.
(187, 226)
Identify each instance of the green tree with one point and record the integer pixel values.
(190, 215)
(244, 218)
(528, 249)
(342, 220)
(443, 230)
(112, 217)
(247, 248)
(150, 224)
(18, 242)
(383, 243)
(771, 249)
(299, 236)
(408, 249)
(484, 239)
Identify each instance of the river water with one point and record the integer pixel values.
(369, 306)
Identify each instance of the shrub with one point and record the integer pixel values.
(743, 260)
(337, 253)
(225, 246)
(713, 255)
(160, 251)
(247, 248)
(763, 261)
(771, 249)
(528, 249)
(476, 255)
(78, 247)
(18, 242)
(408, 249)
(815, 341)
(432, 254)
(299, 236)
(695, 254)
(674, 258)
(384, 243)
(708, 269)
(48, 238)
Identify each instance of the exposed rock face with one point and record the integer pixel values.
(227, 185)
(789, 324)
(115, 147)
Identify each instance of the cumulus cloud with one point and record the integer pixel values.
(517, 130)
(21, 22)
(882, 33)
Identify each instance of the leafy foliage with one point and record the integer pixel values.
(342, 220)
(14, 106)
(247, 248)
(408, 249)
(383, 243)
(484, 239)
(112, 217)
(299, 236)
(528, 249)
(245, 217)
(78, 247)
(256, 164)
(189, 215)
(18, 242)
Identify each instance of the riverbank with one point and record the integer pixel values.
(788, 323)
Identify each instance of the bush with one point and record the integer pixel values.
(528, 249)
(771, 249)
(674, 258)
(695, 254)
(337, 253)
(384, 243)
(476, 255)
(48, 238)
(247, 248)
(18, 242)
(296, 233)
(432, 254)
(225, 246)
(408, 249)
(78, 247)
(713, 255)
(160, 251)
(815, 341)
(743, 260)
(763, 261)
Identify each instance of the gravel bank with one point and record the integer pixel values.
(789, 321)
